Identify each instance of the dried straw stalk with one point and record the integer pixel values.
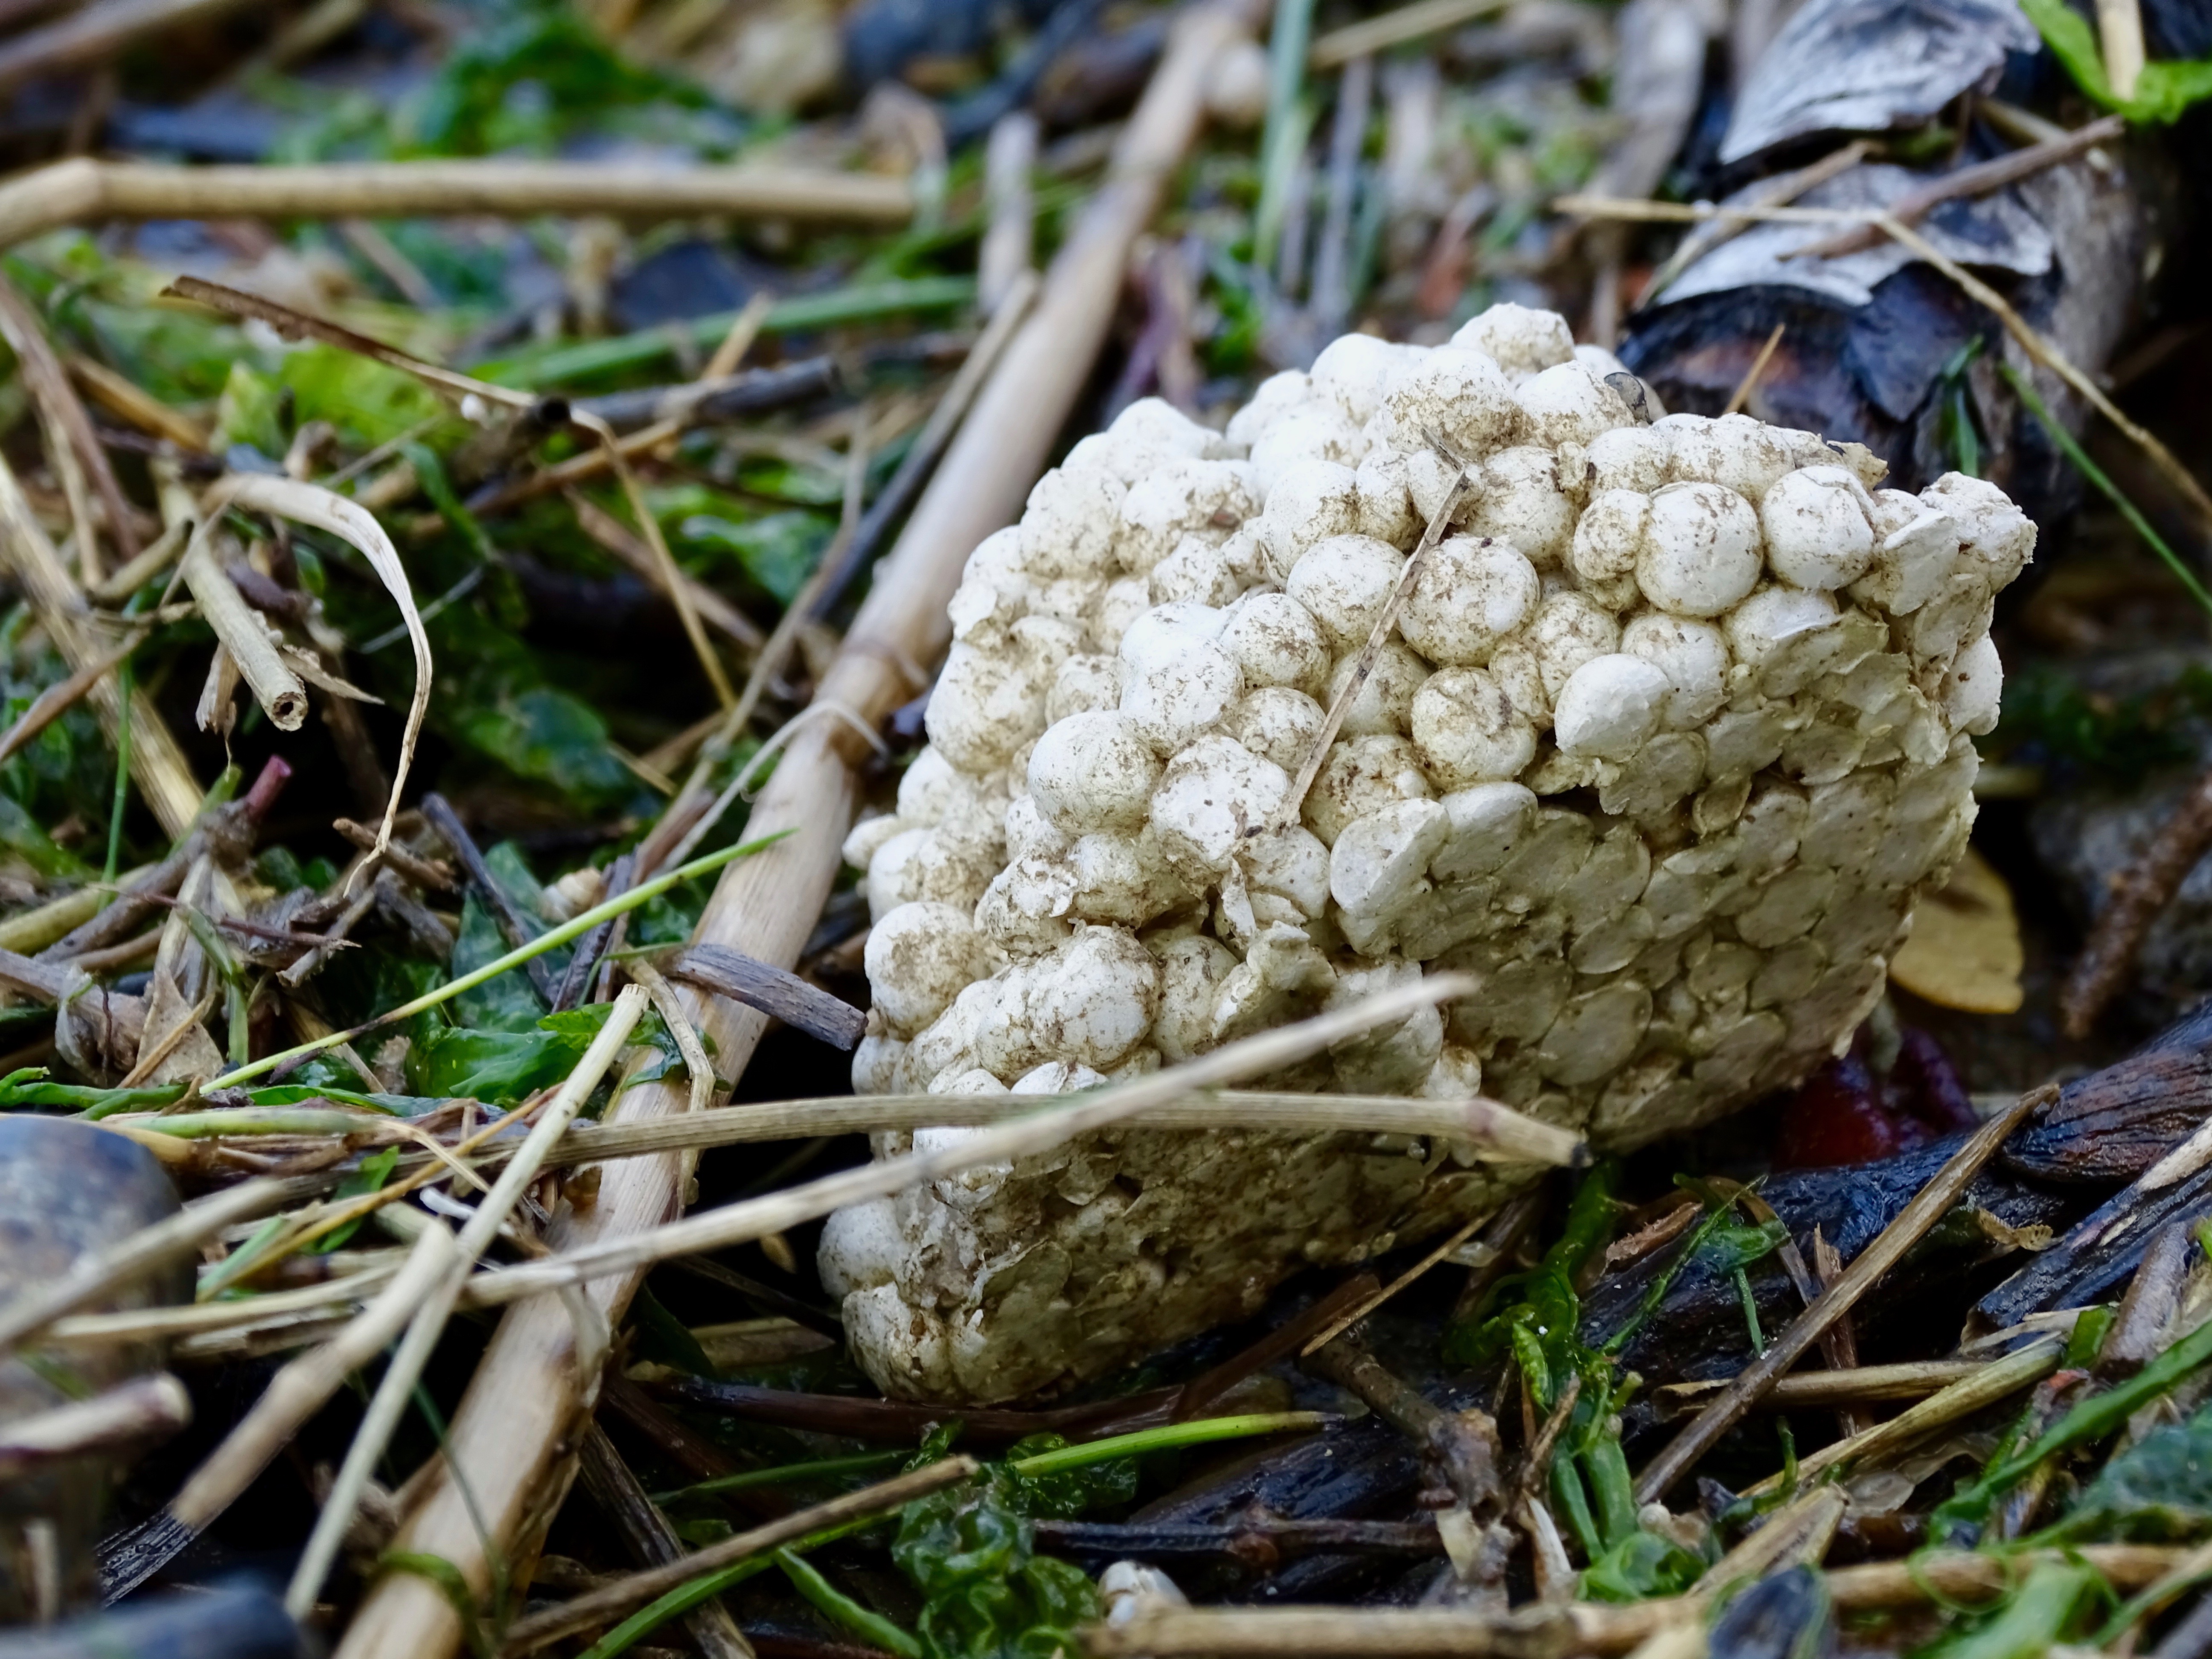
(506, 1435)
(1550, 1631)
(240, 631)
(164, 776)
(82, 192)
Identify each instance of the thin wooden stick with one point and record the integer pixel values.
(1394, 28)
(1928, 1207)
(143, 1409)
(671, 579)
(1317, 751)
(1747, 385)
(77, 450)
(1781, 188)
(127, 579)
(125, 398)
(608, 1604)
(1976, 180)
(507, 1434)
(2030, 339)
(1351, 1315)
(56, 700)
(85, 191)
(97, 32)
(1496, 1133)
(163, 774)
(619, 539)
(164, 1324)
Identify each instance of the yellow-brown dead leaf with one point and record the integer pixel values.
(1965, 949)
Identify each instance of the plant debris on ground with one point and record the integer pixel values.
(456, 455)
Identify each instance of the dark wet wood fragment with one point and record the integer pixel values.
(781, 995)
(651, 1541)
(901, 1420)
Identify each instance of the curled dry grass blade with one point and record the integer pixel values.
(312, 504)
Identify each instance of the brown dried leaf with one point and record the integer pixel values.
(1964, 952)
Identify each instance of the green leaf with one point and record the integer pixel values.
(666, 1339)
(777, 550)
(462, 1062)
(2159, 1490)
(1641, 1565)
(987, 1594)
(246, 413)
(549, 737)
(31, 1086)
(2163, 91)
(508, 1003)
(370, 402)
(375, 1170)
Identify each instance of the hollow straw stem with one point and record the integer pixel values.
(239, 630)
(83, 190)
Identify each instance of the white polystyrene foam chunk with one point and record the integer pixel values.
(1665, 738)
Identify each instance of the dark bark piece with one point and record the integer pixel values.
(651, 1541)
(2114, 1124)
(1871, 372)
(2107, 1247)
(781, 995)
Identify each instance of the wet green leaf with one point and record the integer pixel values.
(777, 550)
(986, 1593)
(249, 412)
(1641, 1565)
(369, 401)
(2158, 1491)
